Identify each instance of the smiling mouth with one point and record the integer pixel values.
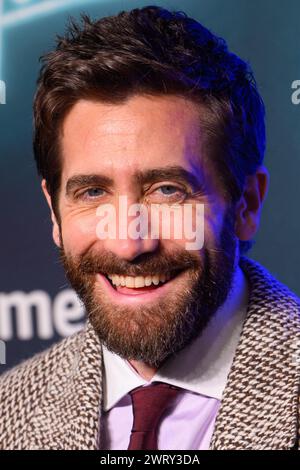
(127, 284)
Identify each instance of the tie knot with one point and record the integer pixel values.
(149, 403)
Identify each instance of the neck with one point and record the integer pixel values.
(144, 370)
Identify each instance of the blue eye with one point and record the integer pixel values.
(169, 190)
(94, 192)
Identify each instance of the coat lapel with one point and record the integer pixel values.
(260, 400)
(68, 416)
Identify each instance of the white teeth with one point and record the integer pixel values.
(138, 281)
(117, 280)
(129, 281)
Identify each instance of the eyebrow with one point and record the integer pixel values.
(153, 175)
(80, 181)
(177, 173)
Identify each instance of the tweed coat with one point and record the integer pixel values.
(54, 400)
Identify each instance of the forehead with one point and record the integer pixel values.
(142, 133)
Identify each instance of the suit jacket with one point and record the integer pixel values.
(54, 400)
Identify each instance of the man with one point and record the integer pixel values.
(184, 348)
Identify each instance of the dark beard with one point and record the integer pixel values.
(153, 332)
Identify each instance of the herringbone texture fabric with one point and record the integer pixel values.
(259, 404)
(54, 400)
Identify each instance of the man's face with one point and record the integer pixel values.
(108, 151)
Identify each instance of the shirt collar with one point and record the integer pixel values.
(201, 367)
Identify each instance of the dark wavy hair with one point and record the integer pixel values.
(152, 51)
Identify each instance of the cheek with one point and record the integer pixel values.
(79, 231)
(213, 224)
(194, 227)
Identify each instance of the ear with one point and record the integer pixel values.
(55, 228)
(249, 206)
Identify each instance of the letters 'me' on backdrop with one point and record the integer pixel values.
(37, 306)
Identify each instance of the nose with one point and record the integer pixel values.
(132, 234)
(129, 249)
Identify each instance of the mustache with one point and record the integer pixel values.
(146, 264)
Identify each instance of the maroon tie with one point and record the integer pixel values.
(149, 404)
